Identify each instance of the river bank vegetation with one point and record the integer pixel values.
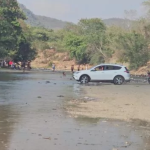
(89, 41)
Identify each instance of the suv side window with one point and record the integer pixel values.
(99, 68)
(109, 68)
(112, 68)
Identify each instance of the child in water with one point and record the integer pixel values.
(72, 68)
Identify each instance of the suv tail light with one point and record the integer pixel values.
(127, 71)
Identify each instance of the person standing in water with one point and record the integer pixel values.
(82, 67)
(53, 67)
(79, 68)
(86, 67)
(23, 66)
(29, 65)
(72, 68)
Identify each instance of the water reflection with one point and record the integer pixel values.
(32, 117)
(7, 123)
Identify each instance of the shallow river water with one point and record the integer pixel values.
(33, 117)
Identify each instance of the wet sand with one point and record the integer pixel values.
(125, 102)
(34, 116)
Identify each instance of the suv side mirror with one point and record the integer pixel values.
(93, 70)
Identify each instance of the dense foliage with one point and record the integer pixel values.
(92, 42)
(14, 42)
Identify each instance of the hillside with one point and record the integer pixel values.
(51, 23)
(41, 21)
(49, 56)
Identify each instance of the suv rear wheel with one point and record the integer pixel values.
(84, 79)
(118, 80)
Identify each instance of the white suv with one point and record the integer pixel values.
(113, 73)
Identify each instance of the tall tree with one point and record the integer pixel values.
(95, 32)
(136, 50)
(77, 47)
(10, 29)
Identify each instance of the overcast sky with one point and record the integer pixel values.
(74, 10)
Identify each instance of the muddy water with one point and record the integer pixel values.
(33, 117)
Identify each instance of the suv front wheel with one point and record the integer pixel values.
(118, 80)
(84, 79)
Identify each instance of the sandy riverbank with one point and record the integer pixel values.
(124, 102)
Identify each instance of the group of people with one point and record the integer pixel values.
(15, 65)
(26, 65)
(9, 64)
(80, 67)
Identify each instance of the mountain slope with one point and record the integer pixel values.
(41, 21)
(51, 23)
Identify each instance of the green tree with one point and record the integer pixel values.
(98, 41)
(10, 29)
(26, 51)
(97, 38)
(15, 36)
(136, 50)
(76, 46)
